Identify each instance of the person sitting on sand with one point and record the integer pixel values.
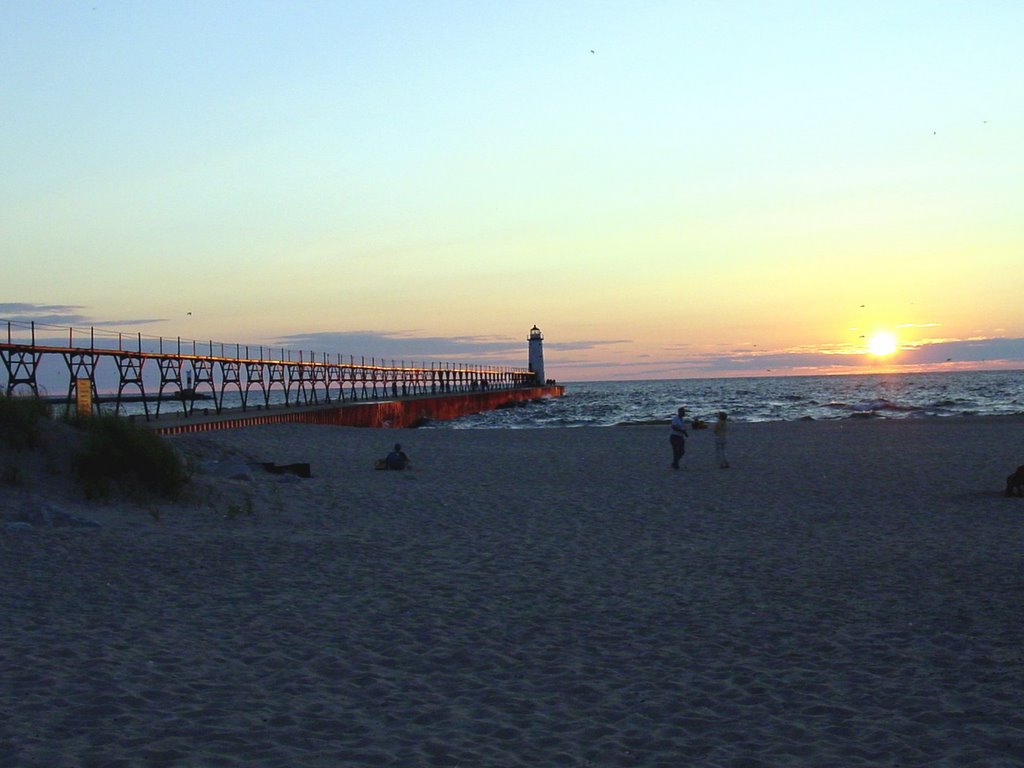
(397, 459)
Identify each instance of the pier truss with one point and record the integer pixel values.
(177, 374)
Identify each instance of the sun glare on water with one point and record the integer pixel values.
(881, 344)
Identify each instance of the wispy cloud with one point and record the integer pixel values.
(976, 353)
(411, 345)
(572, 346)
(406, 345)
(64, 315)
(973, 350)
(49, 314)
(967, 350)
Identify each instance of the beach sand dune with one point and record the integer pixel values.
(848, 593)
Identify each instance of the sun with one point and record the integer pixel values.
(882, 344)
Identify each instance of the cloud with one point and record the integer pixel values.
(405, 345)
(571, 346)
(952, 353)
(45, 314)
(63, 316)
(409, 345)
(964, 350)
(969, 350)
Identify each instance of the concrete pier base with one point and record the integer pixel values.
(390, 413)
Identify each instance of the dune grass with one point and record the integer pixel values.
(117, 453)
(19, 420)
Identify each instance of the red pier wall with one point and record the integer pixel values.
(395, 413)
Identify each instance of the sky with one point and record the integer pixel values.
(666, 189)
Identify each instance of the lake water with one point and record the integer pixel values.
(889, 396)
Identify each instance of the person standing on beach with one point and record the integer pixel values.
(723, 463)
(678, 435)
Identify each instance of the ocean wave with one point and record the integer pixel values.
(881, 404)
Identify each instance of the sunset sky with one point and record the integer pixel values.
(667, 189)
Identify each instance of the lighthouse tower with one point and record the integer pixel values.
(536, 339)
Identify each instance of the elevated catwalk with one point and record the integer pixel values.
(186, 383)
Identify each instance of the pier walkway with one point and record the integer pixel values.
(186, 382)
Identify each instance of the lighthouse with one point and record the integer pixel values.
(536, 339)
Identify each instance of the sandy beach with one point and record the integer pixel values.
(848, 593)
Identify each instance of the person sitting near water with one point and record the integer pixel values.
(397, 459)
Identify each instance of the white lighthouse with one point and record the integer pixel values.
(536, 339)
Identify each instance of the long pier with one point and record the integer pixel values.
(309, 387)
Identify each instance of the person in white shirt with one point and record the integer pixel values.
(680, 431)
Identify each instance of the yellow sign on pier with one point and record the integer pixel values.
(83, 389)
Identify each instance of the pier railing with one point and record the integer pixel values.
(187, 371)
